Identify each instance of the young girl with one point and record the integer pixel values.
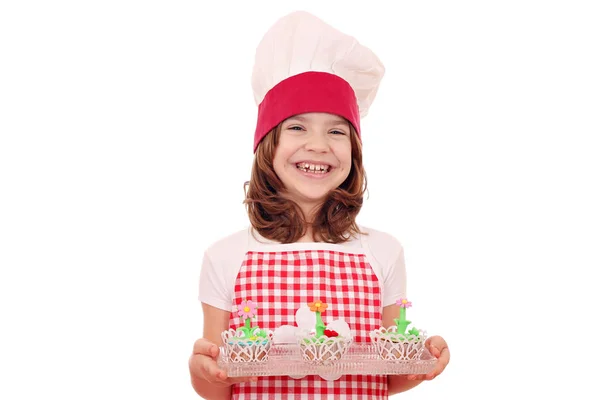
(312, 84)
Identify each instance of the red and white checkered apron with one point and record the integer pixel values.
(281, 282)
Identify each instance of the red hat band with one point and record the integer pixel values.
(306, 92)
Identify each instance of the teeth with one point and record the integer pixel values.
(314, 168)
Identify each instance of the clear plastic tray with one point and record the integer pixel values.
(360, 359)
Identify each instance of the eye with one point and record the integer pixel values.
(295, 128)
(337, 132)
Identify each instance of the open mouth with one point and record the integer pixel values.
(313, 168)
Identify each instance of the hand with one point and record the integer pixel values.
(203, 365)
(438, 348)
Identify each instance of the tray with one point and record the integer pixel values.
(361, 359)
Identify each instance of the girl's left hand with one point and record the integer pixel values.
(438, 348)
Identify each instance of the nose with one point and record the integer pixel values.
(317, 142)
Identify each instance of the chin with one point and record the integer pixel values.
(313, 196)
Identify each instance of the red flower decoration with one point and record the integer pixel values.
(330, 333)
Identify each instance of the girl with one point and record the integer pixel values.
(312, 84)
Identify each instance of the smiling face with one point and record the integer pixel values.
(313, 156)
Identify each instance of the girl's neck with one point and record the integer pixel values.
(307, 238)
(309, 212)
(308, 235)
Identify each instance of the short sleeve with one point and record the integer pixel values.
(213, 288)
(394, 279)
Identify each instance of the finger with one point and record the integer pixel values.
(207, 369)
(215, 373)
(204, 347)
(197, 364)
(436, 341)
(432, 374)
(443, 360)
(445, 354)
(435, 351)
(440, 365)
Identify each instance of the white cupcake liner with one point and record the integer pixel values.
(324, 350)
(394, 346)
(241, 349)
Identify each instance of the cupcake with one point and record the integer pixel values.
(326, 344)
(247, 343)
(398, 343)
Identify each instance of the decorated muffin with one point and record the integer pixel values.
(247, 343)
(398, 343)
(327, 343)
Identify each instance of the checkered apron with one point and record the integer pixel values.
(281, 282)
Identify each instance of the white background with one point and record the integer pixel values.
(126, 137)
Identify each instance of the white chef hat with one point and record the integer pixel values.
(302, 64)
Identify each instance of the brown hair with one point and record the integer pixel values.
(276, 217)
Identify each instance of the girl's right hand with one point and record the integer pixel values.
(203, 364)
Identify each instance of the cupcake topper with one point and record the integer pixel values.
(318, 307)
(402, 323)
(247, 310)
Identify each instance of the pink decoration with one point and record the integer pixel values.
(403, 303)
(247, 309)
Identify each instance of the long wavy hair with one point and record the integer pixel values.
(277, 217)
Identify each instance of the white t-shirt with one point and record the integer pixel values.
(223, 260)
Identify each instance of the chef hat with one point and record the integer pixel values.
(304, 65)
